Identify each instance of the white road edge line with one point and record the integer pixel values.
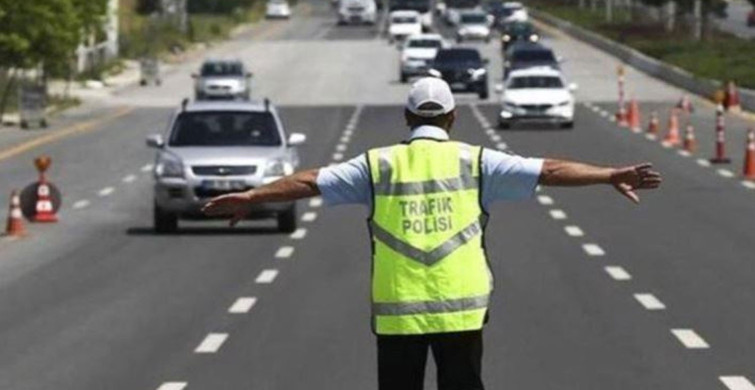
(266, 276)
(242, 305)
(649, 301)
(284, 252)
(617, 273)
(106, 191)
(690, 339)
(593, 249)
(309, 216)
(211, 343)
(574, 231)
(173, 386)
(736, 383)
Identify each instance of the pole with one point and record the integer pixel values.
(720, 157)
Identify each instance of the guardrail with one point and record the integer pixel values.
(653, 67)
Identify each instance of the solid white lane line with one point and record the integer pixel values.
(80, 204)
(106, 191)
(284, 252)
(309, 216)
(172, 386)
(266, 276)
(147, 168)
(683, 153)
(545, 200)
(574, 231)
(748, 184)
(593, 249)
(737, 383)
(340, 147)
(315, 202)
(725, 172)
(298, 234)
(242, 305)
(703, 162)
(211, 343)
(502, 146)
(337, 156)
(649, 301)
(558, 214)
(617, 273)
(690, 339)
(129, 178)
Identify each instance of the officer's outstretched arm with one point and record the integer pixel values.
(624, 179)
(297, 186)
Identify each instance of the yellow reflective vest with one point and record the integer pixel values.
(430, 273)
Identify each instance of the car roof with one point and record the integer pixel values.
(529, 46)
(513, 4)
(535, 71)
(225, 105)
(404, 12)
(417, 37)
(472, 12)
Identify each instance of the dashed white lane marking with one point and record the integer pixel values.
(612, 118)
(242, 305)
(690, 339)
(147, 168)
(341, 147)
(284, 252)
(337, 156)
(495, 138)
(129, 178)
(617, 273)
(604, 114)
(737, 383)
(666, 145)
(80, 204)
(649, 301)
(490, 132)
(703, 162)
(650, 136)
(211, 343)
(683, 153)
(502, 146)
(299, 234)
(315, 202)
(574, 231)
(545, 200)
(725, 172)
(558, 214)
(266, 276)
(106, 191)
(348, 133)
(309, 216)
(593, 249)
(345, 139)
(172, 386)
(748, 184)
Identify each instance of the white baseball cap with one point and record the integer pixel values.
(430, 90)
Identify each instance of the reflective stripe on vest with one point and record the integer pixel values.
(445, 306)
(464, 181)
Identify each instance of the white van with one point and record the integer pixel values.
(357, 12)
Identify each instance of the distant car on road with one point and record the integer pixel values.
(473, 25)
(512, 12)
(523, 55)
(222, 80)
(463, 69)
(214, 148)
(517, 32)
(357, 12)
(424, 7)
(417, 53)
(402, 24)
(454, 9)
(277, 9)
(537, 94)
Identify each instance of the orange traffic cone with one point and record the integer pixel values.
(749, 166)
(622, 116)
(685, 105)
(15, 226)
(672, 133)
(44, 208)
(634, 117)
(654, 125)
(690, 142)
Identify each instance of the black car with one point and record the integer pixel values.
(522, 55)
(517, 32)
(463, 69)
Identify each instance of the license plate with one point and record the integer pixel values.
(224, 185)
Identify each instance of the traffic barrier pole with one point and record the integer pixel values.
(720, 157)
(749, 165)
(672, 137)
(690, 142)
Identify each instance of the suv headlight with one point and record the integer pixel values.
(477, 74)
(506, 37)
(169, 166)
(278, 168)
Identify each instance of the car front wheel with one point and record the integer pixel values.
(164, 222)
(287, 220)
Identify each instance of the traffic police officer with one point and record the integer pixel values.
(429, 197)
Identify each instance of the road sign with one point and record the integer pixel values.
(32, 102)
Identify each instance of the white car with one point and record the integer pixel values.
(473, 25)
(539, 95)
(513, 12)
(403, 24)
(417, 52)
(277, 9)
(357, 12)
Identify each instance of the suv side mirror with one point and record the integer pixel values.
(296, 139)
(155, 141)
(434, 73)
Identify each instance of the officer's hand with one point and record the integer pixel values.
(235, 205)
(639, 177)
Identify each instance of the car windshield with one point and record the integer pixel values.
(462, 3)
(535, 82)
(226, 128)
(403, 20)
(474, 19)
(519, 29)
(420, 6)
(534, 56)
(277, 2)
(424, 43)
(471, 57)
(211, 69)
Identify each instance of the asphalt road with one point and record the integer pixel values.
(592, 291)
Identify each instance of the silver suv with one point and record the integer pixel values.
(222, 80)
(213, 148)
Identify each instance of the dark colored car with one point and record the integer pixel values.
(517, 32)
(522, 55)
(463, 69)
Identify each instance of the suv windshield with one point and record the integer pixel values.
(225, 128)
(210, 69)
(535, 82)
(459, 57)
(420, 6)
(424, 43)
(474, 19)
(534, 56)
(403, 19)
(519, 28)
